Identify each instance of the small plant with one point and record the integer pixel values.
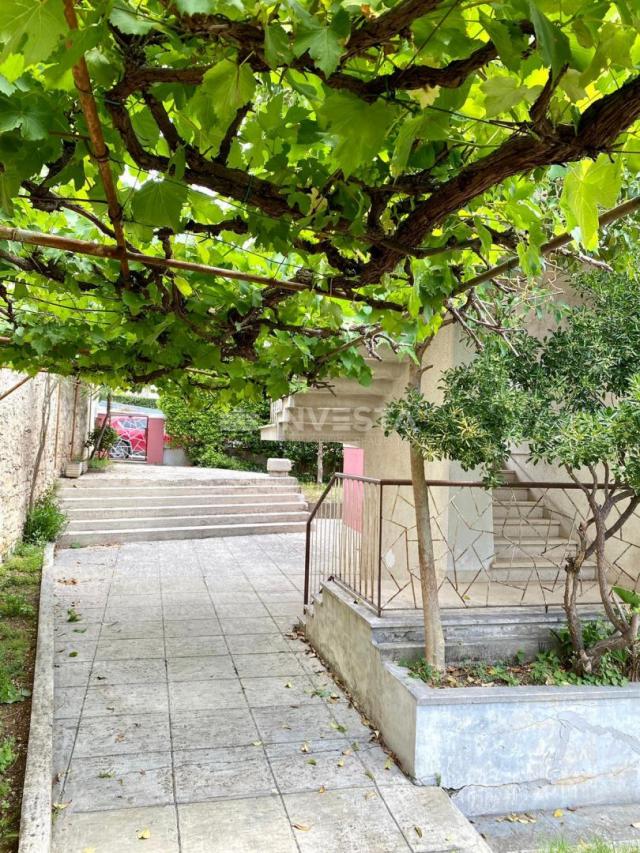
(15, 605)
(44, 521)
(72, 615)
(99, 463)
(101, 441)
(8, 754)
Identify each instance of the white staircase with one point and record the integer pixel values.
(529, 539)
(140, 509)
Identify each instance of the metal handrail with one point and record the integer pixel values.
(307, 544)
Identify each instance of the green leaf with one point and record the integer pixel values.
(628, 596)
(503, 93)
(230, 86)
(31, 27)
(360, 128)
(554, 44)
(30, 114)
(159, 203)
(324, 43)
(587, 185)
(194, 7)
(277, 50)
(129, 22)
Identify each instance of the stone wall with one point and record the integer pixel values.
(38, 434)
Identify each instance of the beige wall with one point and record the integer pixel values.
(36, 425)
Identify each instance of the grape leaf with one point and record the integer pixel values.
(31, 28)
(159, 203)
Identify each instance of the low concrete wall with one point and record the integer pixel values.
(496, 749)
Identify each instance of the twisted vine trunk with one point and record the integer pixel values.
(433, 635)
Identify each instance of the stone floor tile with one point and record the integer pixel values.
(257, 644)
(282, 690)
(282, 724)
(184, 647)
(259, 625)
(132, 587)
(140, 601)
(442, 825)
(200, 668)
(76, 650)
(64, 736)
(206, 695)
(280, 609)
(207, 774)
(213, 729)
(234, 597)
(255, 825)
(192, 628)
(379, 765)
(113, 700)
(129, 613)
(122, 781)
(350, 722)
(353, 819)
(117, 830)
(202, 610)
(274, 664)
(286, 623)
(68, 702)
(71, 673)
(119, 629)
(125, 733)
(310, 765)
(128, 672)
(130, 649)
(241, 610)
(70, 632)
(86, 614)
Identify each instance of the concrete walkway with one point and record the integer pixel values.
(189, 717)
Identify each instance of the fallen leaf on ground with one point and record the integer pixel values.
(322, 789)
(369, 795)
(418, 831)
(347, 751)
(143, 834)
(558, 813)
(305, 747)
(289, 685)
(58, 807)
(303, 827)
(388, 763)
(257, 743)
(311, 761)
(636, 825)
(341, 762)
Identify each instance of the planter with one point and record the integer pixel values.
(73, 470)
(495, 749)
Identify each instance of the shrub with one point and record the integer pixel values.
(44, 521)
(99, 463)
(212, 458)
(109, 438)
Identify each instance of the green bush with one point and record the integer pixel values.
(209, 431)
(109, 438)
(99, 463)
(44, 522)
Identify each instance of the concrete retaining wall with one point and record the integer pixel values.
(37, 436)
(496, 749)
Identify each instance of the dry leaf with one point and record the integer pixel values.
(305, 747)
(388, 763)
(558, 813)
(636, 825)
(58, 807)
(322, 789)
(341, 762)
(289, 684)
(143, 834)
(303, 827)
(311, 761)
(418, 831)
(257, 743)
(347, 751)
(370, 795)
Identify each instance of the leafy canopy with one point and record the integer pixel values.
(573, 396)
(380, 155)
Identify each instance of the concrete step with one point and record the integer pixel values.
(104, 481)
(516, 530)
(511, 493)
(521, 508)
(125, 522)
(148, 492)
(115, 502)
(553, 547)
(108, 536)
(81, 511)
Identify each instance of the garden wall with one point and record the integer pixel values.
(38, 433)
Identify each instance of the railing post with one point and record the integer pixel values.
(379, 559)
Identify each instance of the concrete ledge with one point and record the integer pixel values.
(495, 749)
(35, 818)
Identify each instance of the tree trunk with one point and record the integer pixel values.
(433, 635)
(320, 465)
(103, 428)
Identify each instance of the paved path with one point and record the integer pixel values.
(189, 718)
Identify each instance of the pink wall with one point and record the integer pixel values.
(155, 441)
(353, 461)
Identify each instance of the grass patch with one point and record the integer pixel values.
(44, 522)
(312, 491)
(19, 591)
(99, 463)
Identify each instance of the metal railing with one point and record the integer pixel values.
(492, 548)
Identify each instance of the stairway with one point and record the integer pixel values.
(529, 540)
(135, 509)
